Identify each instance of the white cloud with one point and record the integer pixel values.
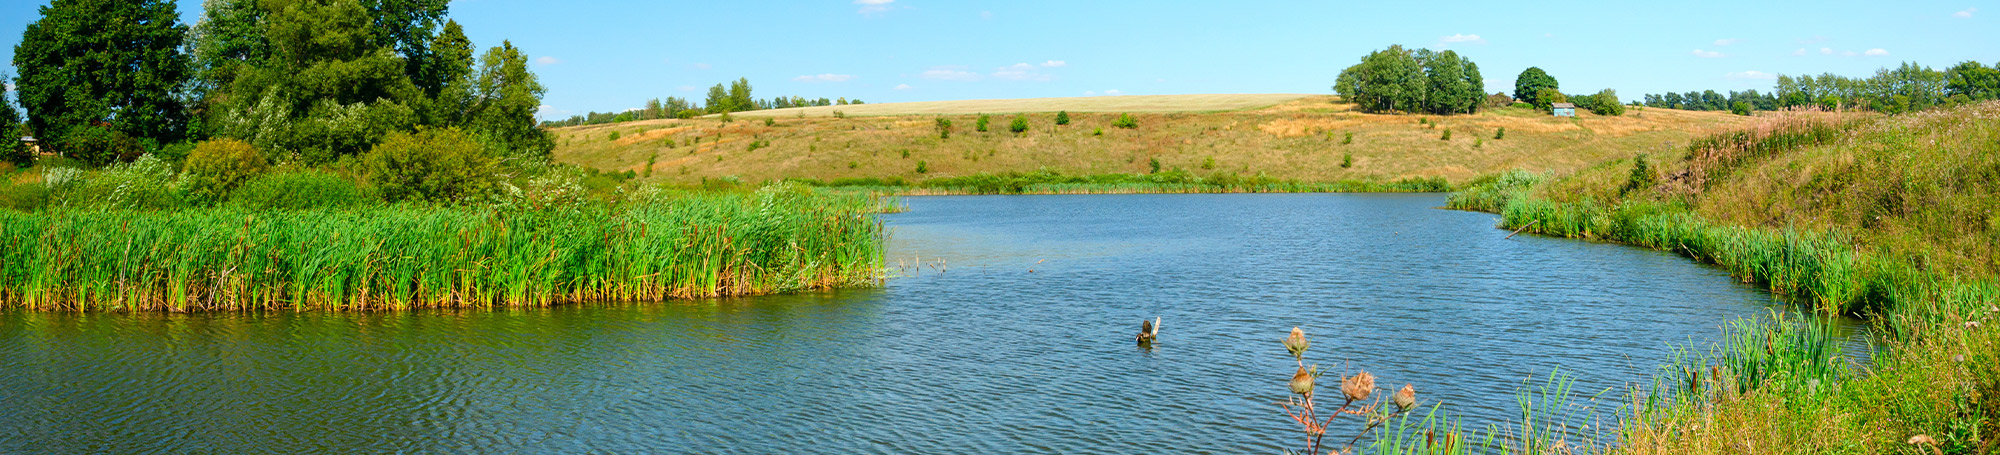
(1876, 52)
(949, 73)
(1113, 92)
(824, 78)
(547, 60)
(1727, 41)
(701, 66)
(1967, 14)
(1021, 72)
(1801, 51)
(1054, 64)
(1752, 74)
(903, 87)
(1460, 38)
(1826, 51)
(1708, 54)
(874, 6)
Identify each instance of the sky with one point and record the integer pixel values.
(612, 55)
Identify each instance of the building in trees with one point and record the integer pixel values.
(1562, 109)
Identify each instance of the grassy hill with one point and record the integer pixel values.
(1292, 137)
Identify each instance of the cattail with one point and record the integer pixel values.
(1358, 387)
(1406, 398)
(1302, 382)
(1297, 344)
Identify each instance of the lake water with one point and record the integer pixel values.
(1009, 328)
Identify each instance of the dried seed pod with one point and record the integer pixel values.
(1406, 398)
(1302, 382)
(1358, 387)
(1297, 344)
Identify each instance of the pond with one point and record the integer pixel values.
(1008, 328)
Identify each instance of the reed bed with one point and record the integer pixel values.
(401, 257)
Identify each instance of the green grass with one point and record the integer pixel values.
(1166, 182)
(674, 245)
(1885, 218)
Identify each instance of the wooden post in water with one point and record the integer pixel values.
(1523, 228)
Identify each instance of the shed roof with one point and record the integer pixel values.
(27, 139)
(1563, 106)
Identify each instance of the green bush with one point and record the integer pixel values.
(1501, 134)
(220, 165)
(981, 124)
(1097, 132)
(1447, 135)
(1208, 163)
(298, 190)
(923, 167)
(1347, 140)
(944, 128)
(1062, 118)
(1019, 125)
(614, 135)
(1154, 163)
(146, 183)
(685, 114)
(1740, 108)
(26, 197)
(1346, 160)
(100, 145)
(440, 165)
(1125, 121)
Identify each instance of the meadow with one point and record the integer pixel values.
(1885, 218)
(1304, 140)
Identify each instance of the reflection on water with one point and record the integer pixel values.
(974, 354)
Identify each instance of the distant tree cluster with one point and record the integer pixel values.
(1908, 87)
(721, 99)
(1421, 81)
(317, 80)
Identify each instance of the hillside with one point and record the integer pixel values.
(1298, 137)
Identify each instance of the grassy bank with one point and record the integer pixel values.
(652, 247)
(1310, 139)
(1886, 218)
(1172, 182)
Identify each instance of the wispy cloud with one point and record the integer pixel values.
(1967, 14)
(547, 60)
(1876, 52)
(1753, 75)
(903, 87)
(1727, 41)
(874, 6)
(1800, 52)
(949, 73)
(1113, 92)
(1054, 64)
(1708, 54)
(1826, 51)
(1021, 72)
(824, 78)
(1460, 39)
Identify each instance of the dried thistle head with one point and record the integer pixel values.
(1406, 398)
(1297, 344)
(1358, 387)
(1302, 382)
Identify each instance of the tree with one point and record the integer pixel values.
(329, 88)
(446, 77)
(227, 41)
(1062, 118)
(1975, 81)
(980, 124)
(1455, 84)
(115, 62)
(1386, 80)
(718, 99)
(1606, 103)
(1530, 84)
(11, 149)
(944, 128)
(739, 96)
(1740, 108)
(505, 99)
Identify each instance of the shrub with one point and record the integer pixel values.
(1347, 140)
(650, 161)
(1500, 134)
(1155, 164)
(1641, 177)
(1208, 163)
(944, 128)
(1125, 121)
(923, 167)
(980, 125)
(853, 164)
(685, 114)
(220, 165)
(1478, 142)
(768, 121)
(906, 153)
(726, 118)
(840, 114)
(1740, 108)
(1062, 118)
(614, 135)
(1097, 132)
(1447, 135)
(1346, 160)
(100, 145)
(298, 190)
(1019, 125)
(144, 183)
(434, 164)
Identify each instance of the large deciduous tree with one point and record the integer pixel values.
(104, 62)
(1530, 83)
(330, 87)
(1401, 80)
(505, 99)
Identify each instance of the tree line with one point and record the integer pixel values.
(1425, 81)
(103, 81)
(1908, 87)
(735, 97)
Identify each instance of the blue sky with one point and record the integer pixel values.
(610, 55)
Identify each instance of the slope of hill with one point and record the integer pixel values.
(1304, 138)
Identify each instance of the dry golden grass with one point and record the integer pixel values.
(1299, 138)
(1137, 103)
